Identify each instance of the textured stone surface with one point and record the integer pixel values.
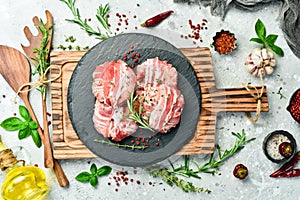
(229, 72)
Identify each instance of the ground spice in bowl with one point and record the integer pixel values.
(224, 42)
(294, 106)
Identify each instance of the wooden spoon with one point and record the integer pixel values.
(15, 69)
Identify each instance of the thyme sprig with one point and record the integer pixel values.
(42, 59)
(172, 180)
(136, 115)
(140, 147)
(101, 15)
(211, 167)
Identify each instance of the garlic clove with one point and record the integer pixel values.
(264, 54)
(269, 70)
(250, 68)
(272, 62)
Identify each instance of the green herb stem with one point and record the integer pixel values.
(136, 115)
(142, 147)
(173, 180)
(83, 23)
(42, 59)
(211, 167)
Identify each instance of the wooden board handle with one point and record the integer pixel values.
(234, 100)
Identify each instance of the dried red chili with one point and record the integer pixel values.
(294, 106)
(224, 42)
(154, 21)
(284, 171)
(290, 173)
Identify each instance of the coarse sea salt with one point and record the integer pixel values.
(273, 145)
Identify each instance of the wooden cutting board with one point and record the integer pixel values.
(66, 144)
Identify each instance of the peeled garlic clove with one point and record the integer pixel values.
(273, 63)
(270, 53)
(269, 70)
(250, 67)
(264, 54)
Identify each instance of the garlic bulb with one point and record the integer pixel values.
(260, 61)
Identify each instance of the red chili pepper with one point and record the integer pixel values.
(287, 166)
(286, 149)
(290, 173)
(153, 21)
(240, 171)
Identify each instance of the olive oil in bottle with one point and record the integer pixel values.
(21, 182)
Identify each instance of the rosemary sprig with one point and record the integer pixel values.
(43, 55)
(83, 23)
(142, 147)
(102, 16)
(136, 116)
(212, 166)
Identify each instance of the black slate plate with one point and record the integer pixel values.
(81, 100)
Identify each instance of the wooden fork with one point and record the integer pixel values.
(34, 43)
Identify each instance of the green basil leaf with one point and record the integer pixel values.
(93, 169)
(33, 125)
(277, 50)
(24, 125)
(257, 40)
(83, 177)
(271, 39)
(36, 138)
(24, 113)
(24, 133)
(260, 29)
(94, 181)
(105, 170)
(12, 124)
